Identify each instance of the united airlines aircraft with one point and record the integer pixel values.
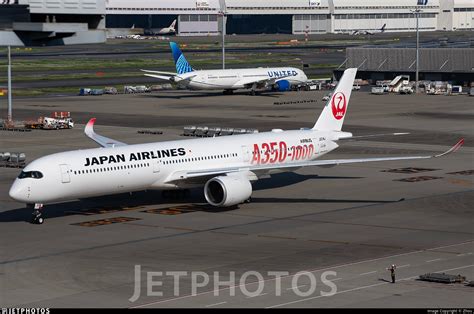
(281, 78)
(223, 166)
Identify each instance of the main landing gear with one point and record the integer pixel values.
(37, 216)
(253, 90)
(228, 91)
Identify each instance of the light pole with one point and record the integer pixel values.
(9, 116)
(223, 39)
(223, 13)
(417, 13)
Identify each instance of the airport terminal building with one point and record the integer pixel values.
(201, 17)
(436, 64)
(51, 22)
(47, 22)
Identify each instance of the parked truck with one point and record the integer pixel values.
(405, 89)
(378, 90)
(58, 120)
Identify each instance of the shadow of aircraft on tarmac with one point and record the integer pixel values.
(195, 201)
(180, 94)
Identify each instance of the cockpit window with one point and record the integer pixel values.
(30, 174)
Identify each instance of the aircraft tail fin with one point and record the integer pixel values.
(332, 116)
(172, 26)
(182, 65)
(383, 28)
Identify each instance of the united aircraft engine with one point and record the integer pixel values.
(229, 190)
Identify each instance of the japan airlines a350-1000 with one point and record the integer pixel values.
(281, 78)
(224, 166)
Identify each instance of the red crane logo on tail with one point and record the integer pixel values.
(339, 105)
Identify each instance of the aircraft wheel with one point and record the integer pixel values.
(37, 220)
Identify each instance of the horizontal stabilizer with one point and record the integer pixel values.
(159, 72)
(361, 137)
(161, 77)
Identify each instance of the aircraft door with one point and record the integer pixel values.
(65, 176)
(316, 147)
(245, 153)
(156, 166)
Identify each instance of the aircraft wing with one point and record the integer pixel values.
(99, 139)
(183, 175)
(267, 80)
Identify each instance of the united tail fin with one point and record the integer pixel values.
(182, 65)
(332, 117)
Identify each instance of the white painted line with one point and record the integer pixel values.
(258, 295)
(336, 279)
(211, 305)
(406, 265)
(469, 253)
(462, 254)
(320, 296)
(370, 272)
(433, 260)
(313, 270)
(360, 288)
(293, 288)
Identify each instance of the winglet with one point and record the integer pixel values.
(89, 129)
(453, 149)
(99, 139)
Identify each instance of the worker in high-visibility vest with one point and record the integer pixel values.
(392, 272)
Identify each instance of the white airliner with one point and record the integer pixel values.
(365, 32)
(224, 166)
(281, 78)
(163, 31)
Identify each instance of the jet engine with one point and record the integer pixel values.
(282, 85)
(224, 191)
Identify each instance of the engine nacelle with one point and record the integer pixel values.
(283, 85)
(224, 191)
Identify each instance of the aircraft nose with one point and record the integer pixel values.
(18, 191)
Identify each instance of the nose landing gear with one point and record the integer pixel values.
(37, 215)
